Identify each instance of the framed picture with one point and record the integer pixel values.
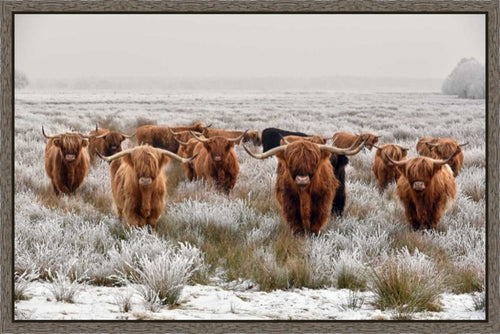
(260, 166)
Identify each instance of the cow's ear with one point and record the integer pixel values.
(404, 153)
(437, 167)
(229, 145)
(122, 138)
(402, 169)
(281, 155)
(207, 146)
(128, 160)
(56, 142)
(85, 143)
(164, 159)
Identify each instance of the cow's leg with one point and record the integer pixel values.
(291, 212)
(411, 215)
(152, 220)
(54, 187)
(338, 203)
(320, 212)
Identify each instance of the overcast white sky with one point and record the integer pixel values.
(305, 45)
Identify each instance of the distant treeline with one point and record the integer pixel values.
(266, 83)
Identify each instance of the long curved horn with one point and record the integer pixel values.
(180, 142)
(173, 132)
(239, 137)
(444, 161)
(428, 143)
(103, 135)
(395, 162)
(176, 157)
(49, 137)
(340, 151)
(128, 136)
(283, 138)
(116, 155)
(197, 138)
(265, 154)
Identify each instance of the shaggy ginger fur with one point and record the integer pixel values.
(216, 161)
(442, 148)
(338, 162)
(346, 140)
(305, 186)
(160, 136)
(252, 136)
(66, 162)
(384, 170)
(423, 148)
(187, 151)
(427, 190)
(139, 204)
(107, 145)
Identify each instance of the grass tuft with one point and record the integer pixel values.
(404, 291)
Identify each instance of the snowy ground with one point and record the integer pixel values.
(360, 237)
(217, 303)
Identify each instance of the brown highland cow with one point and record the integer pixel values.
(66, 161)
(139, 184)
(347, 140)
(424, 146)
(426, 189)
(441, 149)
(305, 184)
(162, 137)
(217, 161)
(186, 150)
(106, 142)
(248, 136)
(384, 170)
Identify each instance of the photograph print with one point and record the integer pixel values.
(250, 167)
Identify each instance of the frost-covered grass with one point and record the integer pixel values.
(209, 238)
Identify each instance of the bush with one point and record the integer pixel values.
(467, 80)
(160, 279)
(407, 285)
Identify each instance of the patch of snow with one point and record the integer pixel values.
(201, 302)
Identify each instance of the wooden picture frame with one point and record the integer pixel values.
(489, 8)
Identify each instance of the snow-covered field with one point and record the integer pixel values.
(76, 243)
(206, 302)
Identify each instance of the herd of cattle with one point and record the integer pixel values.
(310, 183)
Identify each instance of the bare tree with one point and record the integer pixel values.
(467, 80)
(20, 79)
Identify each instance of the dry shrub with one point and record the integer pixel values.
(407, 285)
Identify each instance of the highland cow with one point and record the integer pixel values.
(217, 161)
(66, 161)
(271, 137)
(105, 142)
(424, 146)
(347, 140)
(162, 137)
(338, 162)
(186, 149)
(441, 149)
(383, 169)
(248, 136)
(139, 184)
(305, 184)
(426, 188)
